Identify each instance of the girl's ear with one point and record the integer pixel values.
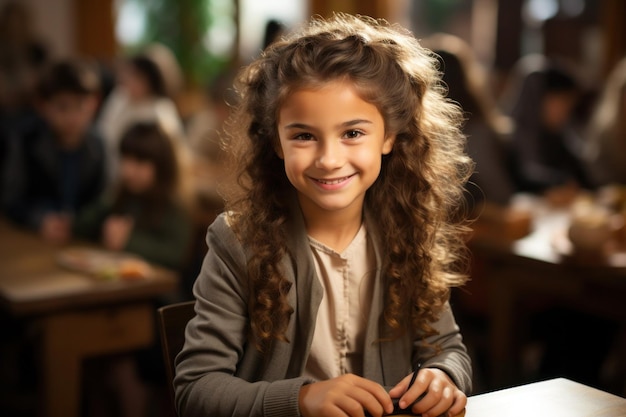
(388, 143)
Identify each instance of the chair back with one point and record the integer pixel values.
(172, 320)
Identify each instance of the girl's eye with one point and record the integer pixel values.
(353, 134)
(303, 136)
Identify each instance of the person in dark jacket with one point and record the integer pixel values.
(56, 165)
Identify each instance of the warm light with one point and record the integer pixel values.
(131, 22)
(220, 36)
(538, 11)
(255, 14)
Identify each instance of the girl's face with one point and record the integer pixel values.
(136, 175)
(134, 83)
(332, 142)
(557, 109)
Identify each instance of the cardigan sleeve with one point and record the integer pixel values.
(207, 369)
(451, 356)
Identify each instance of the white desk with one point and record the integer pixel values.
(553, 398)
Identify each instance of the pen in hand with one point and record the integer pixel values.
(414, 376)
(396, 406)
(396, 401)
(411, 382)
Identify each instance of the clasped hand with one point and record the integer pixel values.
(352, 395)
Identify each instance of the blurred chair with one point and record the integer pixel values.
(172, 320)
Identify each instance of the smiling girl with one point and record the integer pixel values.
(327, 281)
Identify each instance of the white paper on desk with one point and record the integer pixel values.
(539, 243)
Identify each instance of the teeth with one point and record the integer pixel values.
(331, 182)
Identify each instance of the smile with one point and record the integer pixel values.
(332, 181)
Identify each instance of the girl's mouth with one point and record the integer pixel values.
(331, 184)
(332, 181)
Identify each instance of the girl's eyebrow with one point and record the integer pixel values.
(349, 123)
(297, 126)
(355, 122)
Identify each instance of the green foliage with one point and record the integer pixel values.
(181, 25)
(439, 11)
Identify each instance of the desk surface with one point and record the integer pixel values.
(546, 240)
(553, 398)
(33, 282)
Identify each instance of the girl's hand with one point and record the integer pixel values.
(116, 231)
(563, 195)
(442, 396)
(346, 395)
(56, 228)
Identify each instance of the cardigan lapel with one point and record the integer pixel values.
(308, 290)
(383, 360)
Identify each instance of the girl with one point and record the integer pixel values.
(328, 278)
(144, 214)
(146, 86)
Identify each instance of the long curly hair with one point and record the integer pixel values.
(416, 196)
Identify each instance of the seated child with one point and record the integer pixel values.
(146, 83)
(326, 282)
(142, 214)
(56, 165)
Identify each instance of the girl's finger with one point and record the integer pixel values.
(400, 387)
(376, 396)
(440, 405)
(460, 401)
(422, 384)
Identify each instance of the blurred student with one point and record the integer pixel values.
(547, 151)
(144, 213)
(550, 161)
(607, 130)
(56, 165)
(485, 127)
(145, 88)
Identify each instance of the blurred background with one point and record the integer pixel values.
(543, 87)
(209, 36)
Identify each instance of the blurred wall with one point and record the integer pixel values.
(53, 22)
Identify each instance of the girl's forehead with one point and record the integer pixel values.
(338, 101)
(330, 85)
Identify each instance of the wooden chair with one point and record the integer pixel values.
(172, 320)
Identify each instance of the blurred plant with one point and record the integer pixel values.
(182, 26)
(438, 12)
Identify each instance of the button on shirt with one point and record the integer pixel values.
(348, 282)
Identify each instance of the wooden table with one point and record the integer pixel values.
(553, 398)
(534, 268)
(78, 315)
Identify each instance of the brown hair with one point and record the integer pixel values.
(420, 184)
(146, 141)
(70, 76)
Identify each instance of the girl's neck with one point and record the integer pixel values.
(335, 230)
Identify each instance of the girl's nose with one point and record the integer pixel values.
(330, 155)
